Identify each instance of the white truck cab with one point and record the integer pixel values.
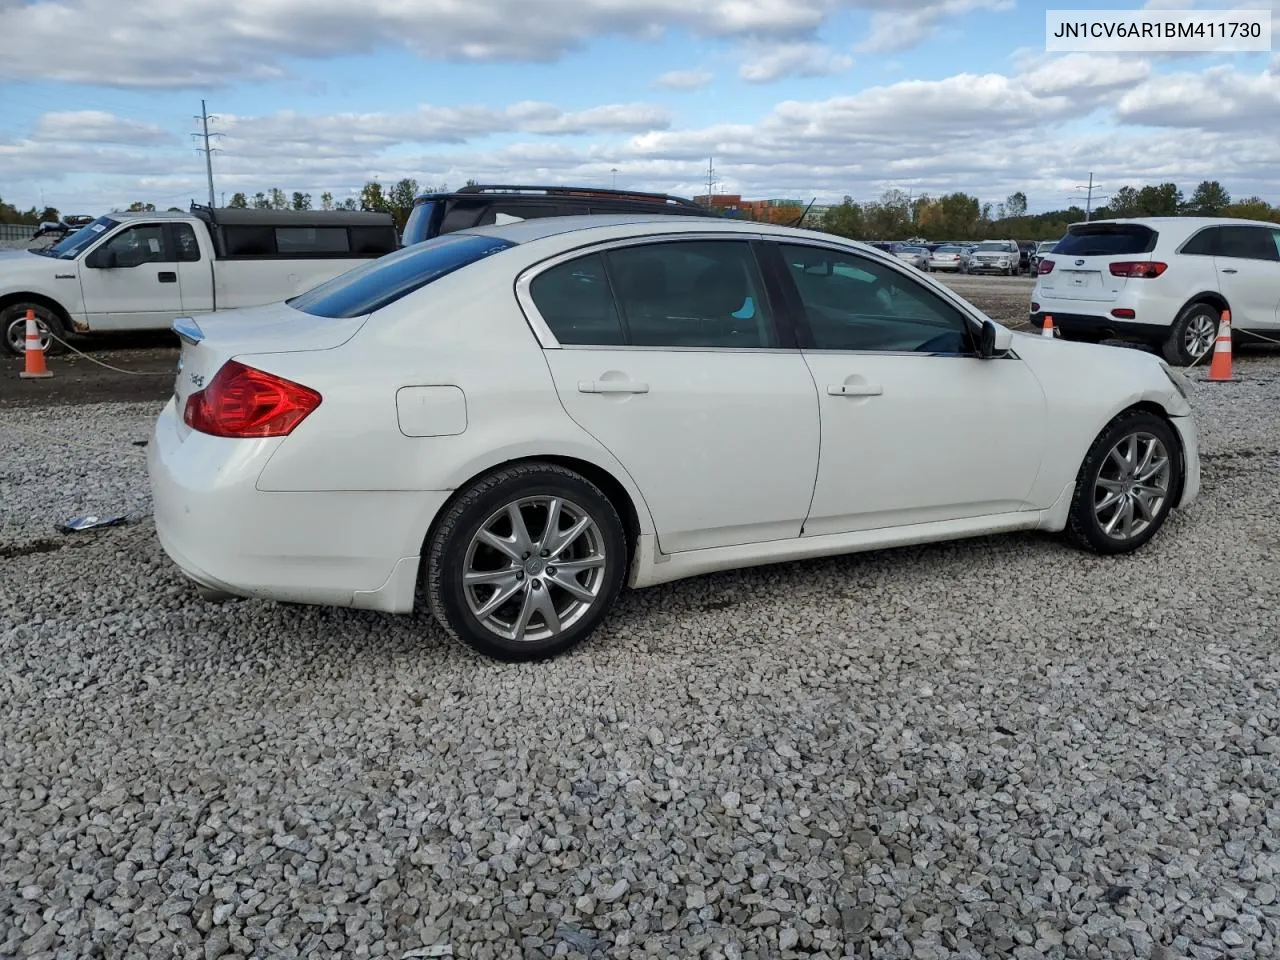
(139, 271)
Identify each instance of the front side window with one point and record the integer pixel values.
(137, 245)
(1248, 243)
(854, 303)
(705, 294)
(382, 282)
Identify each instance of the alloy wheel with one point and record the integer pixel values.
(534, 568)
(1200, 335)
(16, 335)
(1132, 485)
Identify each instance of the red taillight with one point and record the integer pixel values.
(1123, 313)
(243, 402)
(1138, 269)
(1046, 266)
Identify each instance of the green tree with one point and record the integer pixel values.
(400, 200)
(50, 214)
(470, 183)
(260, 201)
(1253, 208)
(1015, 205)
(1164, 200)
(1124, 203)
(372, 198)
(238, 201)
(844, 220)
(326, 201)
(1208, 199)
(278, 200)
(301, 201)
(349, 204)
(139, 207)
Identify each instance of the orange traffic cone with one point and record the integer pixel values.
(36, 368)
(1220, 367)
(1047, 330)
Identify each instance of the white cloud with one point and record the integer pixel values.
(1219, 98)
(684, 79)
(96, 126)
(905, 23)
(764, 64)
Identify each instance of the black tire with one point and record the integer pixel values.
(1083, 526)
(447, 550)
(1177, 346)
(13, 319)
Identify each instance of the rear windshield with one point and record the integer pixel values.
(385, 280)
(1107, 240)
(419, 223)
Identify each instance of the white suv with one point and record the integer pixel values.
(1163, 281)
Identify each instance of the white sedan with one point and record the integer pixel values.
(513, 422)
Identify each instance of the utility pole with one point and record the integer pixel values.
(207, 150)
(1088, 197)
(614, 171)
(711, 179)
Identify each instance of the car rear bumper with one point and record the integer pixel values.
(343, 548)
(1097, 325)
(989, 267)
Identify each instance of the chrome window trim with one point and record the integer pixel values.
(542, 330)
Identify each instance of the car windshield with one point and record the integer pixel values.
(383, 281)
(74, 244)
(996, 245)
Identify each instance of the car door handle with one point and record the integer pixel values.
(854, 390)
(167, 276)
(1230, 270)
(612, 386)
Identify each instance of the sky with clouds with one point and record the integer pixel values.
(792, 98)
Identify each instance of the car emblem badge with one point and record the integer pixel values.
(1079, 263)
(197, 379)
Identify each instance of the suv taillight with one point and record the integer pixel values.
(1139, 269)
(244, 402)
(1046, 266)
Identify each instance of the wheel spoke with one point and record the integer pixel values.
(476, 578)
(1144, 462)
(1125, 513)
(566, 538)
(527, 610)
(1112, 486)
(550, 532)
(507, 548)
(519, 532)
(1118, 458)
(1143, 502)
(500, 596)
(543, 603)
(1110, 500)
(571, 586)
(574, 567)
(1154, 469)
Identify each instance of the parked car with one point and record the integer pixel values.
(436, 214)
(1163, 281)
(995, 256)
(918, 257)
(1043, 247)
(138, 271)
(468, 421)
(947, 257)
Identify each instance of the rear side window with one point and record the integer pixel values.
(1248, 243)
(312, 241)
(528, 211)
(460, 215)
(186, 244)
(1107, 240)
(381, 282)
(373, 241)
(575, 300)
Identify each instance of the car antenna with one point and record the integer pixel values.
(800, 219)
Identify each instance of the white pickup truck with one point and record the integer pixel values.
(139, 271)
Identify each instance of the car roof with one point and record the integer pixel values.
(1190, 223)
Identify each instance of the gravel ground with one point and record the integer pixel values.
(995, 748)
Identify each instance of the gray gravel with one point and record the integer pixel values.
(998, 748)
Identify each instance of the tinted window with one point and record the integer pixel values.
(705, 293)
(249, 241)
(462, 214)
(375, 241)
(1248, 243)
(311, 241)
(383, 281)
(138, 245)
(188, 247)
(528, 211)
(852, 303)
(1106, 240)
(1204, 243)
(575, 300)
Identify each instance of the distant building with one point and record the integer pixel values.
(761, 211)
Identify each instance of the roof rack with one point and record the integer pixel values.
(577, 192)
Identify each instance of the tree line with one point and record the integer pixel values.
(11, 214)
(396, 199)
(959, 216)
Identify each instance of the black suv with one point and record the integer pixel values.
(476, 206)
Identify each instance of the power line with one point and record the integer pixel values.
(1088, 197)
(207, 150)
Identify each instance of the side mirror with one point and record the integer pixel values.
(994, 340)
(101, 259)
